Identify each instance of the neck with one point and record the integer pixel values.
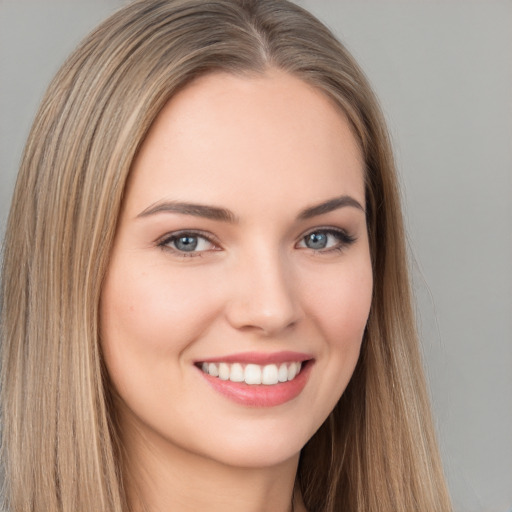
(164, 477)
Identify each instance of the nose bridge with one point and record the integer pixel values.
(263, 294)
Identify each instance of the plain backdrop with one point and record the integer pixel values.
(443, 72)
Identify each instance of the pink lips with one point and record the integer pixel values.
(261, 395)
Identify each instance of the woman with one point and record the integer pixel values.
(205, 295)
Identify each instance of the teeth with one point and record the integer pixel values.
(213, 369)
(269, 375)
(253, 374)
(237, 373)
(292, 371)
(282, 374)
(223, 371)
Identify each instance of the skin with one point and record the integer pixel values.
(266, 147)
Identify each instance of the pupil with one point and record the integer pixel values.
(316, 240)
(186, 243)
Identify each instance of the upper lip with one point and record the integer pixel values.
(260, 358)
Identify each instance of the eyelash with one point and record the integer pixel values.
(164, 244)
(344, 241)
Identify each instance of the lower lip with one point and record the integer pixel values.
(261, 395)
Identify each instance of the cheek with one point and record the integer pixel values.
(148, 316)
(338, 307)
(341, 305)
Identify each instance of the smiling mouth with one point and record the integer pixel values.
(253, 374)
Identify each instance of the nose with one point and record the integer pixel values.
(263, 295)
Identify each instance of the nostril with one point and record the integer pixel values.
(268, 318)
(263, 295)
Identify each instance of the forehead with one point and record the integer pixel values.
(228, 136)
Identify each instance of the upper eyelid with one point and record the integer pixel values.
(325, 229)
(172, 235)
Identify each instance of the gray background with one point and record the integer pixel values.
(443, 71)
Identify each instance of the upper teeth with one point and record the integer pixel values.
(253, 373)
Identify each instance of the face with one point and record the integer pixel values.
(240, 280)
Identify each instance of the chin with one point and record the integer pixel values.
(258, 446)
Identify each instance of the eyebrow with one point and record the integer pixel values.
(329, 206)
(225, 215)
(196, 210)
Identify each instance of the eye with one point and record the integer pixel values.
(326, 240)
(187, 243)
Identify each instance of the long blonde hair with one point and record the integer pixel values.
(375, 452)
